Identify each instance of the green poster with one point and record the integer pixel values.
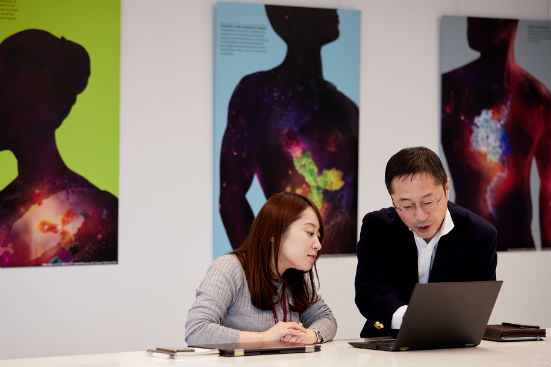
(59, 131)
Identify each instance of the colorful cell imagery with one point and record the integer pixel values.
(489, 136)
(71, 226)
(329, 179)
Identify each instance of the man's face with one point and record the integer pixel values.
(421, 202)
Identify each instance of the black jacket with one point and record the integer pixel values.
(387, 261)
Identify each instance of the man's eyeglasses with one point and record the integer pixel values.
(410, 209)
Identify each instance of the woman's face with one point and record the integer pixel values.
(300, 243)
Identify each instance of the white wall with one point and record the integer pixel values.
(166, 179)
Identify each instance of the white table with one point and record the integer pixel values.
(335, 353)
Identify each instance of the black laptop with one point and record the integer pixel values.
(441, 315)
(258, 348)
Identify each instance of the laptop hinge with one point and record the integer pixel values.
(309, 348)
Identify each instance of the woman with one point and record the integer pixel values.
(264, 290)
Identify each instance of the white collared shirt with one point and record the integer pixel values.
(425, 259)
(426, 251)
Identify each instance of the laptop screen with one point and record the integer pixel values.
(443, 315)
(448, 314)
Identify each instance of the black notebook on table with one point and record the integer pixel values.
(441, 315)
(507, 332)
(258, 348)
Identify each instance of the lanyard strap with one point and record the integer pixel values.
(284, 301)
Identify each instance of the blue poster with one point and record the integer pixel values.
(286, 116)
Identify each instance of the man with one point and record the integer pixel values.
(423, 238)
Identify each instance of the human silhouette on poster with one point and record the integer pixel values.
(295, 131)
(49, 214)
(495, 121)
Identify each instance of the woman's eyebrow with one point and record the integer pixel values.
(310, 224)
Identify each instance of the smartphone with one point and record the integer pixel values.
(172, 350)
(170, 353)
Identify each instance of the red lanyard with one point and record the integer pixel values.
(283, 300)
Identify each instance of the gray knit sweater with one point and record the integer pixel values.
(223, 307)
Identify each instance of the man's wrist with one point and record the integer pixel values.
(398, 316)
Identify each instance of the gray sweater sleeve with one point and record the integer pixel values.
(215, 294)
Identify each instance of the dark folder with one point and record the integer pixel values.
(504, 333)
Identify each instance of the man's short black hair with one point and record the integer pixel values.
(410, 161)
